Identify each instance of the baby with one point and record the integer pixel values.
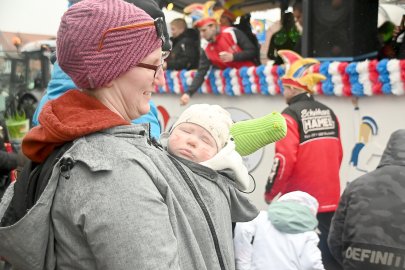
(205, 134)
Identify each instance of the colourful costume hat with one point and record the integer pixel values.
(297, 73)
(203, 14)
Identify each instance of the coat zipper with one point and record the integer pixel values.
(204, 210)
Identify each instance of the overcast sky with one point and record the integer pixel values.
(36, 16)
(31, 16)
(39, 16)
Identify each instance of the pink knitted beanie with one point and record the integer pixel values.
(81, 31)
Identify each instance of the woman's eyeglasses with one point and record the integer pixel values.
(158, 69)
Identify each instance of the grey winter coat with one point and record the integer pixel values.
(368, 228)
(126, 206)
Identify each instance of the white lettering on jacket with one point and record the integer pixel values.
(314, 120)
(375, 257)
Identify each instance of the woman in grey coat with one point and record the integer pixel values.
(115, 200)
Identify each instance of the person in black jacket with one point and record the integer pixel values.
(245, 26)
(367, 231)
(186, 46)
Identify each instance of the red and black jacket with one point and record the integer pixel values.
(229, 39)
(309, 157)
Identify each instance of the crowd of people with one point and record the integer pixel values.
(125, 196)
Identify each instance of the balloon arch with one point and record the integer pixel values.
(365, 78)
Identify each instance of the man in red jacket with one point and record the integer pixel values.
(309, 157)
(227, 47)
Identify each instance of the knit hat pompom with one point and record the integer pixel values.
(215, 119)
(81, 31)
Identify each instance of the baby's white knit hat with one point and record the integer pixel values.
(215, 119)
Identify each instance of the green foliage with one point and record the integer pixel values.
(16, 117)
(17, 126)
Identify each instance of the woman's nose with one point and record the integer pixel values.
(160, 79)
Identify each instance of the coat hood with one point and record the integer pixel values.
(60, 82)
(65, 119)
(394, 153)
(294, 212)
(291, 217)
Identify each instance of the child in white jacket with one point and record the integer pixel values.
(281, 238)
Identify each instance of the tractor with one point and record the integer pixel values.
(24, 76)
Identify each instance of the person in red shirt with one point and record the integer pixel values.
(309, 157)
(226, 47)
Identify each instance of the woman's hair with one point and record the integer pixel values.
(297, 5)
(288, 20)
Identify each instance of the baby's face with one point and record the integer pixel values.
(192, 142)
